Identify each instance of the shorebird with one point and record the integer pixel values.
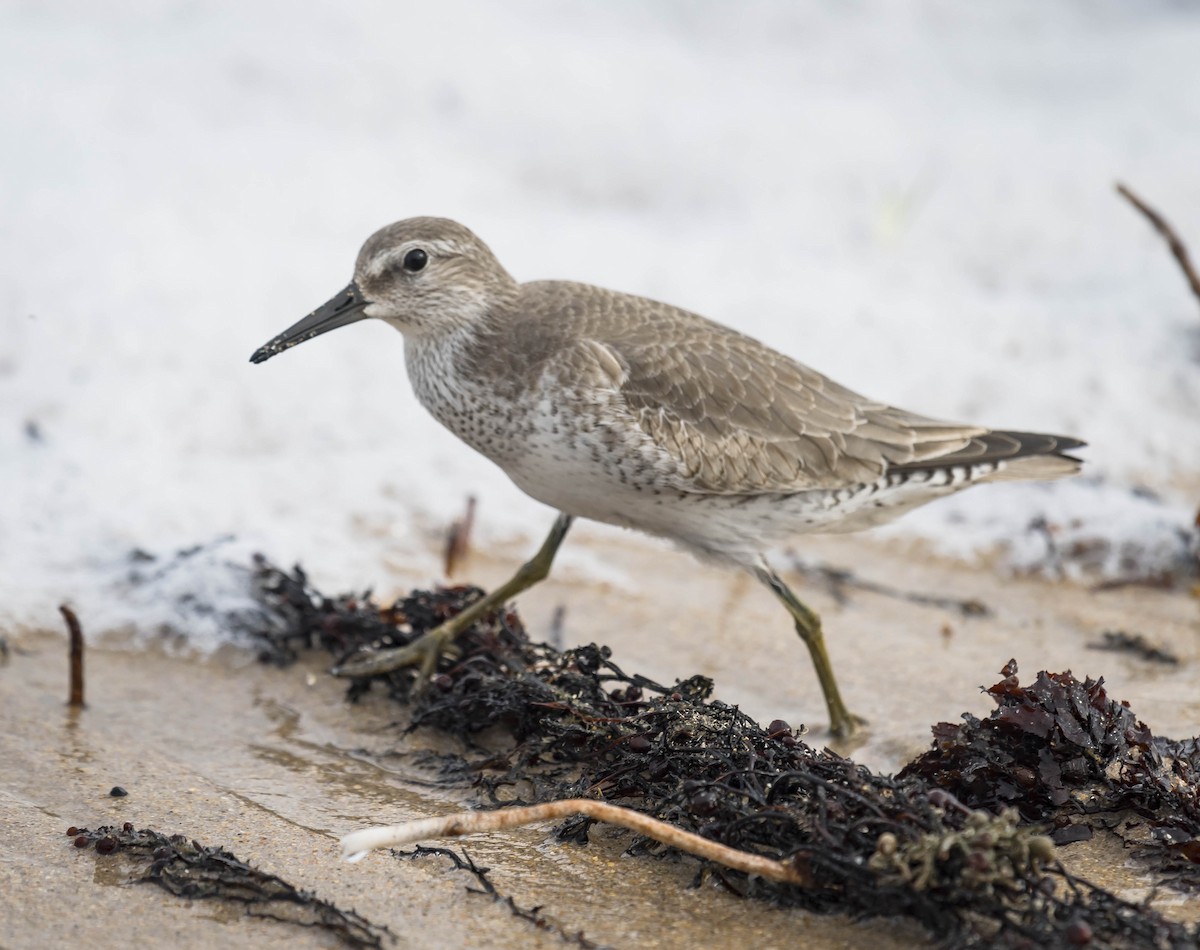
(635, 413)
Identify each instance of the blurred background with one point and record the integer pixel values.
(915, 199)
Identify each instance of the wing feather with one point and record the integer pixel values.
(732, 416)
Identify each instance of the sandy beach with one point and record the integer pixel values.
(274, 765)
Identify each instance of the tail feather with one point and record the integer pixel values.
(1025, 455)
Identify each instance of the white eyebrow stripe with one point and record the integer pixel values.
(384, 260)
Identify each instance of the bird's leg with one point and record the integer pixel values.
(842, 722)
(426, 651)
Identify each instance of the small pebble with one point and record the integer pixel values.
(117, 792)
(82, 841)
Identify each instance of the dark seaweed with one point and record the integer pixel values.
(191, 870)
(953, 842)
(533, 915)
(1062, 751)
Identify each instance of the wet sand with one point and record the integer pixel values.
(274, 765)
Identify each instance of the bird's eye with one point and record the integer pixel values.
(415, 260)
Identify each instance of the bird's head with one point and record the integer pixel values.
(425, 276)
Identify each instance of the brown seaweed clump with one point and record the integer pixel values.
(1062, 751)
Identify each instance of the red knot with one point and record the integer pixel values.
(632, 412)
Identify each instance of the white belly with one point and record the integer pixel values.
(573, 451)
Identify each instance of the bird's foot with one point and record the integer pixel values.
(844, 724)
(422, 653)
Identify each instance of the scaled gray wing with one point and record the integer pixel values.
(736, 417)
(715, 411)
(744, 420)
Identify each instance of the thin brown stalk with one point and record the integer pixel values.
(458, 538)
(356, 844)
(1174, 242)
(75, 700)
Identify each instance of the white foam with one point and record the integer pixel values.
(916, 199)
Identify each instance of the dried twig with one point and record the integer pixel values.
(1178, 249)
(76, 698)
(356, 844)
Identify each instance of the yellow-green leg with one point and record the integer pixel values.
(425, 651)
(842, 722)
